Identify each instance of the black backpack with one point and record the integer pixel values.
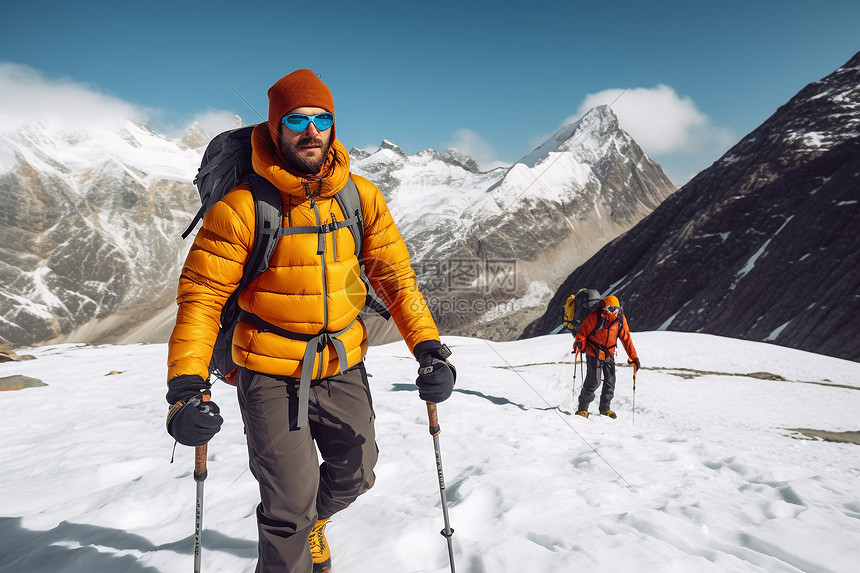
(584, 302)
(226, 164)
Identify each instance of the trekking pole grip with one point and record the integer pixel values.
(200, 470)
(433, 418)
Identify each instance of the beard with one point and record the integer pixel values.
(302, 163)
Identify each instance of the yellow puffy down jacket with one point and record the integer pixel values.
(303, 290)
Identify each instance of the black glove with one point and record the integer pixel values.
(193, 418)
(578, 345)
(634, 362)
(436, 376)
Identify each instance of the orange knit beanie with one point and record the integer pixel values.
(302, 88)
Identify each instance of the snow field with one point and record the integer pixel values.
(710, 477)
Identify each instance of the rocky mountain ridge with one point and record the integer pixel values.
(89, 230)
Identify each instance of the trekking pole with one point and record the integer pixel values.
(435, 430)
(634, 394)
(199, 476)
(581, 366)
(575, 362)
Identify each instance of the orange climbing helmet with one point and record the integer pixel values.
(611, 307)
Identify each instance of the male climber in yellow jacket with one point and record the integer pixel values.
(312, 290)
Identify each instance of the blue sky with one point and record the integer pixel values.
(492, 79)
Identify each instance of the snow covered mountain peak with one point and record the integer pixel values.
(90, 227)
(587, 138)
(391, 147)
(73, 152)
(195, 137)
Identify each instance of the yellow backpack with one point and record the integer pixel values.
(577, 306)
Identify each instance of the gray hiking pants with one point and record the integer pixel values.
(295, 489)
(594, 368)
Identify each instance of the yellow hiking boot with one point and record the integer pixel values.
(583, 413)
(609, 413)
(319, 548)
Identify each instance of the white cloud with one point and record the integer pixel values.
(470, 143)
(29, 96)
(660, 120)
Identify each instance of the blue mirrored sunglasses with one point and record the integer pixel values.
(611, 309)
(300, 121)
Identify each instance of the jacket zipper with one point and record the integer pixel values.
(321, 253)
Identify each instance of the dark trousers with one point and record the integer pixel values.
(594, 368)
(295, 489)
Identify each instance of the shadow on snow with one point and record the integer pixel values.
(78, 547)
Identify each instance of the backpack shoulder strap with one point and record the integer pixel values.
(350, 203)
(269, 220)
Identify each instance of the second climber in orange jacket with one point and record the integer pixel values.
(598, 336)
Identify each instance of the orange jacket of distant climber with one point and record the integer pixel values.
(600, 335)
